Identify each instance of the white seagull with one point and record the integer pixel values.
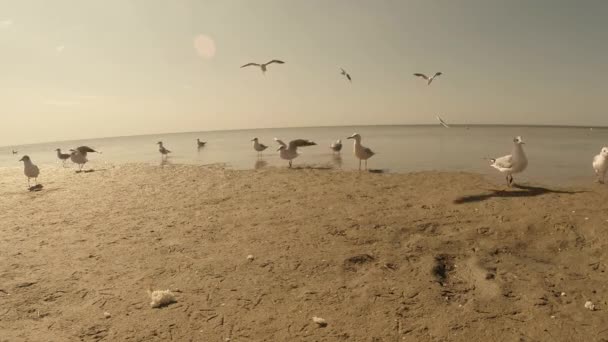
(79, 156)
(600, 164)
(200, 143)
(361, 152)
(429, 79)
(263, 66)
(163, 151)
(343, 72)
(515, 162)
(443, 123)
(62, 156)
(30, 170)
(257, 146)
(291, 152)
(336, 146)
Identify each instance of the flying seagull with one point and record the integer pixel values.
(343, 72)
(30, 170)
(336, 146)
(263, 66)
(62, 156)
(515, 162)
(79, 156)
(429, 79)
(291, 152)
(443, 123)
(600, 164)
(257, 146)
(361, 152)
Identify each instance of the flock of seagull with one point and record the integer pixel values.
(516, 162)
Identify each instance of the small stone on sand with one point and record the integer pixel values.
(250, 257)
(589, 305)
(107, 314)
(320, 321)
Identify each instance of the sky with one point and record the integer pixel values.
(74, 69)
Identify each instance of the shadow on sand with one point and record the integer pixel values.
(522, 191)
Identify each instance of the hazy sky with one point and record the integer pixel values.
(78, 69)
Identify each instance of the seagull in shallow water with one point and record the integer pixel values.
(200, 143)
(79, 156)
(429, 79)
(15, 152)
(343, 72)
(600, 164)
(257, 146)
(442, 123)
(291, 152)
(336, 146)
(515, 162)
(361, 152)
(62, 156)
(163, 151)
(30, 170)
(263, 66)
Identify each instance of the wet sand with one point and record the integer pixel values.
(381, 257)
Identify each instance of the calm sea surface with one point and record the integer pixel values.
(556, 155)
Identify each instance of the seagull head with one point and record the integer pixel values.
(604, 152)
(254, 139)
(58, 150)
(355, 136)
(159, 143)
(25, 159)
(518, 140)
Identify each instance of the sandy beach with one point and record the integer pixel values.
(423, 256)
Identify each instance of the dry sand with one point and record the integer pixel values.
(381, 257)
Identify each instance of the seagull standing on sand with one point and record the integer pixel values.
(515, 162)
(263, 66)
(600, 164)
(163, 151)
(361, 152)
(62, 156)
(30, 170)
(258, 147)
(343, 72)
(79, 156)
(336, 146)
(442, 123)
(200, 143)
(429, 79)
(291, 152)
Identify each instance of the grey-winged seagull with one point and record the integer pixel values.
(291, 152)
(347, 75)
(336, 146)
(361, 152)
(442, 123)
(30, 170)
(515, 162)
(258, 147)
(62, 156)
(163, 151)
(79, 156)
(263, 66)
(600, 164)
(200, 143)
(428, 79)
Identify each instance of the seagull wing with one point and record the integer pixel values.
(250, 64)
(85, 149)
(369, 151)
(437, 74)
(342, 71)
(421, 75)
(348, 76)
(263, 146)
(300, 143)
(502, 163)
(443, 123)
(280, 142)
(275, 61)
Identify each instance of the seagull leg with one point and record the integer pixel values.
(359, 164)
(290, 164)
(365, 164)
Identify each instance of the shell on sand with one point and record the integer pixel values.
(161, 298)
(589, 305)
(320, 321)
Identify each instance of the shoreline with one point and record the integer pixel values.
(414, 257)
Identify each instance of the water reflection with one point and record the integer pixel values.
(260, 164)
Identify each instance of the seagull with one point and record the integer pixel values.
(429, 79)
(346, 74)
(263, 66)
(62, 156)
(15, 152)
(163, 151)
(79, 156)
(200, 143)
(30, 170)
(257, 146)
(515, 162)
(291, 152)
(336, 146)
(443, 123)
(600, 164)
(361, 152)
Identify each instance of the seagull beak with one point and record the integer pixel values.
(349, 138)
(21, 159)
